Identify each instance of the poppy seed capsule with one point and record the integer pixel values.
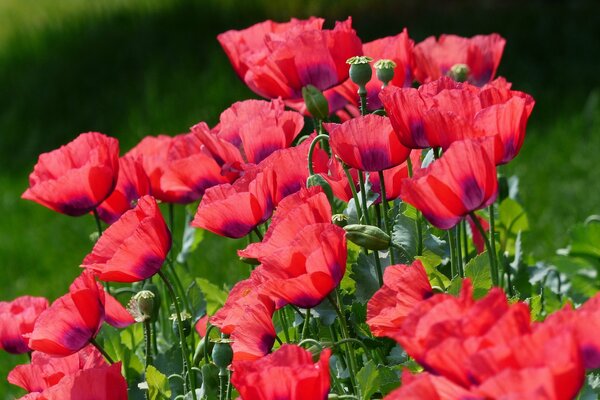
(385, 71)
(340, 220)
(315, 101)
(459, 72)
(360, 71)
(222, 353)
(367, 236)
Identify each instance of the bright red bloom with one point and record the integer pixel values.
(481, 53)
(390, 305)
(463, 180)
(288, 373)
(132, 184)
(77, 177)
(306, 207)
(297, 55)
(368, 143)
(45, 371)
(234, 210)
(133, 248)
(428, 386)
(17, 318)
(107, 383)
(202, 326)
(152, 151)
(305, 271)
(397, 48)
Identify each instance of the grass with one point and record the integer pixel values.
(135, 68)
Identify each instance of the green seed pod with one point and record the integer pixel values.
(459, 72)
(385, 71)
(316, 103)
(222, 354)
(186, 324)
(340, 220)
(360, 70)
(367, 236)
(318, 180)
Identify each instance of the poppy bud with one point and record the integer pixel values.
(340, 220)
(360, 72)
(459, 72)
(315, 101)
(385, 71)
(186, 323)
(367, 236)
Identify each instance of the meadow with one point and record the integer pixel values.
(136, 68)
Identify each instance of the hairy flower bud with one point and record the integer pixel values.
(315, 101)
(368, 236)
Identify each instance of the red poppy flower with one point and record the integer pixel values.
(481, 54)
(234, 210)
(239, 44)
(394, 178)
(247, 317)
(77, 177)
(133, 248)
(463, 180)
(17, 318)
(202, 326)
(293, 58)
(152, 152)
(132, 184)
(107, 383)
(429, 386)
(368, 143)
(306, 207)
(305, 271)
(288, 373)
(390, 305)
(397, 48)
(45, 371)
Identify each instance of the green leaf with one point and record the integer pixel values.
(431, 262)
(325, 312)
(535, 307)
(364, 273)
(404, 236)
(478, 269)
(455, 285)
(368, 379)
(512, 217)
(389, 379)
(196, 301)
(192, 237)
(215, 297)
(158, 384)
(585, 240)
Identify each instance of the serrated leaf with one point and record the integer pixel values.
(368, 380)
(535, 307)
(215, 297)
(364, 273)
(430, 264)
(389, 379)
(325, 312)
(454, 287)
(196, 301)
(512, 217)
(158, 384)
(404, 235)
(478, 269)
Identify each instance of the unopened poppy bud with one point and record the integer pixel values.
(385, 71)
(186, 323)
(141, 306)
(318, 180)
(459, 72)
(222, 353)
(360, 71)
(367, 236)
(340, 220)
(315, 101)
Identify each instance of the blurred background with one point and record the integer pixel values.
(131, 68)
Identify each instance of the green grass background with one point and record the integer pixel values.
(134, 68)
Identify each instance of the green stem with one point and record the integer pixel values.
(349, 349)
(488, 247)
(492, 236)
(452, 240)
(102, 351)
(311, 150)
(385, 204)
(306, 323)
(284, 324)
(418, 220)
(354, 192)
(362, 94)
(465, 243)
(182, 342)
(258, 234)
(459, 261)
(98, 222)
(363, 197)
(148, 342)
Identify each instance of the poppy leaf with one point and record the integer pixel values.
(478, 269)
(158, 384)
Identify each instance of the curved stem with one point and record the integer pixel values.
(182, 342)
(311, 150)
(313, 341)
(102, 351)
(258, 234)
(488, 247)
(385, 204)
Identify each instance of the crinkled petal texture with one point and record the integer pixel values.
(77, 177)
(305, 271)
(132, 184)
(152, 151)
(368, 143)
(463, 180)
(398, 48)
(45, 371)
(287, 374)
(17, 318)
(102, 383)
(296, 58)
(403, 287)
(70, 322)
(482, 53)
(239, 44)
(133, 248)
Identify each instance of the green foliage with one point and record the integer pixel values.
(215, 297)
(158, 384)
